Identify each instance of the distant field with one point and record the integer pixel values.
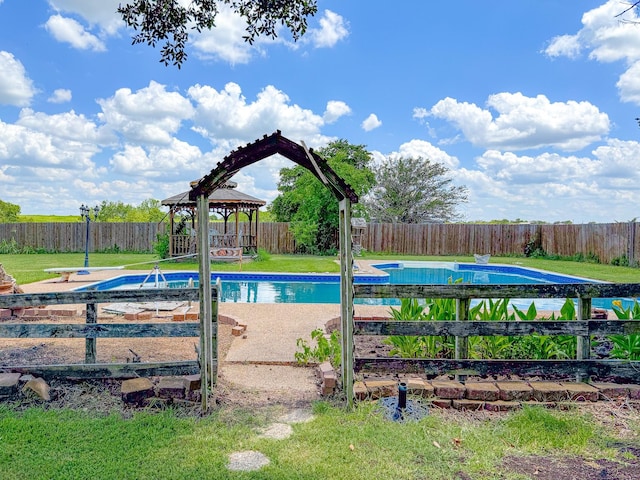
(49, 218)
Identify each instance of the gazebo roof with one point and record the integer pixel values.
(226, 196)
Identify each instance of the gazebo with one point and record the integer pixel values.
(226, 202)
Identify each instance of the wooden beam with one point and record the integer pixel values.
(568, 290)
(99, 330)
(489, 328)
(620, 370)
(106, 370)
(94, 296)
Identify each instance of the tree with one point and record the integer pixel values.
(169, 20)
(9, 212)
(148, 211)
(310, 206)
(413, 190)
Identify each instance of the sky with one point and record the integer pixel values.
(531, 104)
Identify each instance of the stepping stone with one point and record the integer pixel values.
(247, 461)
(9, 383)
(277, 431)
(40, 387)
(298, 415)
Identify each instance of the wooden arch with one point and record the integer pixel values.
(263, 148)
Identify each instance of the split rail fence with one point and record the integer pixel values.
(584, 328)
(91, 330)
(606, 242)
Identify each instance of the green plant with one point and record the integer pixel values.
(327, 347)
(626, 347)
(262, 255)
(161, 245)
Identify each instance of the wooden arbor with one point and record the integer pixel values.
(263, 148)
(224, 201)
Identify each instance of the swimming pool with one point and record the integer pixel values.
(252, 287)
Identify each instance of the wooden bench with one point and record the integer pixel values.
(65, 272)
(222, 254)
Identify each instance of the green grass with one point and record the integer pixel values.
(66, 444)
(29, 268)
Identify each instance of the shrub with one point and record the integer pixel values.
(325, 349)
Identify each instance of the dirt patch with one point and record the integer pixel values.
(574, 468)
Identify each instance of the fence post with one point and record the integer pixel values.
(583, 342)
(462, 343)
(90, 343)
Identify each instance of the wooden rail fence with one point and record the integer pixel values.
(608, 242)
(584, 328)
(92, 330)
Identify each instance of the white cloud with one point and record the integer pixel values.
(553, 187)
(16, 88)
(227, 119)
(158, 162)
(420, 148)
(525, 122)
(629, 84)
(333, 28)
(150, 115)
(371, 123)
(68, 30)
(224, 42)
(607, 38)
(103, 13)
(22, 147)
(60, 95)
(68, 126)
(335, 109)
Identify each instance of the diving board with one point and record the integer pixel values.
(65, 272)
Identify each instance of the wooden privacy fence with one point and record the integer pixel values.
(91, 330)
(584, 328)
(71, 237)
(607, 241)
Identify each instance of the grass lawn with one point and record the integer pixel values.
(29, 268)
(40, 443)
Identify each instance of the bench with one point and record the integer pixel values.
(65, 272)
(226, 254)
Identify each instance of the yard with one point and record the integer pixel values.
(85, 432)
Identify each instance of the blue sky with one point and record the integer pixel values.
(530, 104)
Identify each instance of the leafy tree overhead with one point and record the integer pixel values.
(413, 190)
(310, 206)
(148, 211)
(169, 20)
(9, 212)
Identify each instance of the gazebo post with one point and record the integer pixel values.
(237, 228)
(171, 220)
(257, 223)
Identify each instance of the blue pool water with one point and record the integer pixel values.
(325, 288)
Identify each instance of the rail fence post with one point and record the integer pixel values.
(462, 343)
(583, 342)
(90, 343)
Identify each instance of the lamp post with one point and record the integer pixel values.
(85, 213)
